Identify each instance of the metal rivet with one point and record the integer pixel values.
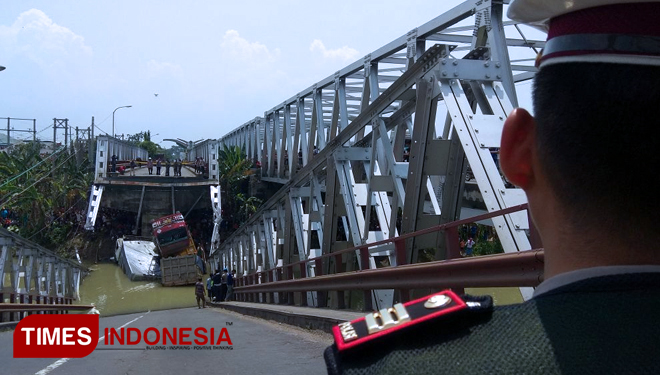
(455, 62)
(437, 301)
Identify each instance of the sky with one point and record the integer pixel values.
(213, 64)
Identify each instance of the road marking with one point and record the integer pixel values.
(62, 361)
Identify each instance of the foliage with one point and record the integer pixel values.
(40, 198)
(138, 138)
(247, 206)
(152, 148)
(235, 168)
(487, 247)
(173, 152)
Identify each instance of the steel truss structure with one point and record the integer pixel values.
(106, 147)
(381, 148)
(208, 151)
(35, 271)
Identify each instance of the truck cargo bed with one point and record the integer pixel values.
(180, 270)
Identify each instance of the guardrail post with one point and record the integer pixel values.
(12, 315)
(400, 252)
(339, 268)
(261, 296)
(21, 299)
(252, 295)
(255, 280)
(240, 281)
(280, 295)
(303, 274)
(271, 278)
(364, 263)
(289, 296)
(321, 296)
(452, 241)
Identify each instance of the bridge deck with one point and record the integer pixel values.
(143, 178)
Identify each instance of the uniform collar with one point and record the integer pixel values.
(588, 273)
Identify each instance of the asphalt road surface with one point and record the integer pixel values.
(258, 346)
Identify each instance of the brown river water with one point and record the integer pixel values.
(112, 292)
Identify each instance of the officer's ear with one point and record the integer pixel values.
(517, 148)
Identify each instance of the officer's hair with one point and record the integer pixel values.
(598, 134)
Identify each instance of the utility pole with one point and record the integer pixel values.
(60, 124)
(91, 148)
(10, 129)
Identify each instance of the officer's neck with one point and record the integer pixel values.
(571, 247)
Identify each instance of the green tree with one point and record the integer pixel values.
(152, 148)
(40, 189)
(234, 169)
(247, 206)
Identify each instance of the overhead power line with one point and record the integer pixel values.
(34, 166)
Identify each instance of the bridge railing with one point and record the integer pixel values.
(518, 269)
(20, 305)
(34, 279)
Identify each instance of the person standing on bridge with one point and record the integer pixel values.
(158, 165)
(223, 285)
(209, 287)
(150, 166)
(595, 99)
(217, 280)
(133, 166)
(176, 167)
(230, 285)
(167, 167)
(199, 294)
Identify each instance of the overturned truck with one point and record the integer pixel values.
(177, 255)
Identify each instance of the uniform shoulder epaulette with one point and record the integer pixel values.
(432, 308)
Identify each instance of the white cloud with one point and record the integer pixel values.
(344, 53)
(158, 69)
(34, 35)
(242, 50)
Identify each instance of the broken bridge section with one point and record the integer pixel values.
(146, 195)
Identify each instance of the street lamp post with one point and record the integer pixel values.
(113, 117)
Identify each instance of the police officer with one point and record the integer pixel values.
(579, 159)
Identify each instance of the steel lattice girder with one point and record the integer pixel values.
(107, 146)
(37, 271)
(358, 162)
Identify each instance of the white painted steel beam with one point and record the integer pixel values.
(381, 146)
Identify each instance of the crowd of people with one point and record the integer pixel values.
(175, 165)
(220, 285)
